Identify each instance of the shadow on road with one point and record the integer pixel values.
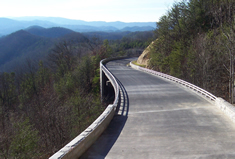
(105, 142)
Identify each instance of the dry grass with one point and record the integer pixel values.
(135, 63)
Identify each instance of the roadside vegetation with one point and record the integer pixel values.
(196, 42)
(135, 63)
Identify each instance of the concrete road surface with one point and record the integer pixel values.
(163, 120)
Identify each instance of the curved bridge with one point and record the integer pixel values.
(158, 118)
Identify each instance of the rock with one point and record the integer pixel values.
(144, 57)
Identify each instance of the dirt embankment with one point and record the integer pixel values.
(144, 57)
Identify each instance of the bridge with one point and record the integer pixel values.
(155, 116)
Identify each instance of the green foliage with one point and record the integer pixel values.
(85, 110)
(64, 86)
(176, 58)
(84, 73)
(108, 49)
(7, 93)
(96, 82)
(25, 142)
(42, 76)
(135, 62)
(28, 89)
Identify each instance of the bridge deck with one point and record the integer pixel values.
(161, 119)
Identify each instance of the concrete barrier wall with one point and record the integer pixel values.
(226, 107)
(82, 142)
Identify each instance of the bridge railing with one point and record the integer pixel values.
(180, 81)
(82, 142)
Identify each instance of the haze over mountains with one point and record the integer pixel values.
(10, 25)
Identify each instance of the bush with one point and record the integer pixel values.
(24, 143)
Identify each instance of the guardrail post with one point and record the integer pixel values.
(106, 89)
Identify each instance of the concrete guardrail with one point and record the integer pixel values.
(226, 107)
(82, 142)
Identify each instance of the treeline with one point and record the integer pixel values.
(195, 42)
(133, 44)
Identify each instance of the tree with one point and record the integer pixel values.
(24, 143)
(224, 12)
(62, 58)
(7, 96)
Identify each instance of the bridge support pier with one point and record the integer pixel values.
(106, 89)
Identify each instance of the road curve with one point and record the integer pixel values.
(161, 119)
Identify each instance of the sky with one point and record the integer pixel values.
(88, 10)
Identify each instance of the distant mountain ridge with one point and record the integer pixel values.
(64, 21)
(137, 28)
(10, 25)
(53, 32)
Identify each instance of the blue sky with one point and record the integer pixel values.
(89, 10)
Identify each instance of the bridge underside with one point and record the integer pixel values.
(160, 119)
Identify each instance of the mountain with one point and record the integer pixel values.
(137, 28)
(21, 45)
(53, 32)
(64, 21)
(56, 20)
(8, 26)
(106, 35)
(88, 28)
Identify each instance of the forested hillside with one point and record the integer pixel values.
(18, 46)
(45, 104)
(196, 42)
